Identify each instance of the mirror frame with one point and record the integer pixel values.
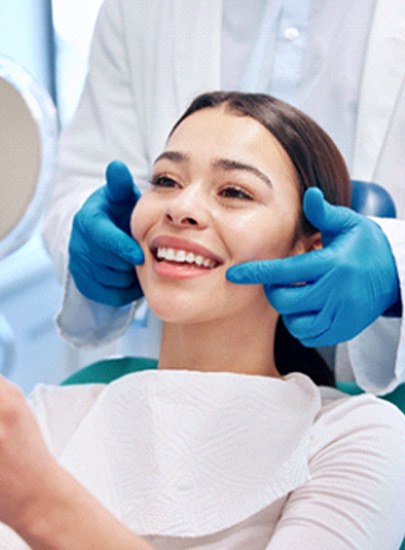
(44, 114)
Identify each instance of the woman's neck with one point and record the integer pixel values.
(239, 345)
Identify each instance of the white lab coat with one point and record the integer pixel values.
(149, 59)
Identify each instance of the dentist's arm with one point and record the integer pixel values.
(348, 284)
(102, 254)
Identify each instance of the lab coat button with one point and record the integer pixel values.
(291, 33)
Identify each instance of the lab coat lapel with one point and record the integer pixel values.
(198, 50)
(382, 78)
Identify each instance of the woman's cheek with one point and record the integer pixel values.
(138, 219)
(267, 241)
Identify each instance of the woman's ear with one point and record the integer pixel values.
(307, 243)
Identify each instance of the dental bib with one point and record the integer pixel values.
(187, 454)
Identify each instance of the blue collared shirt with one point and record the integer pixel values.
(307, 52)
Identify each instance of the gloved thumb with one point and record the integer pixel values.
(120, 185)
(329, 219)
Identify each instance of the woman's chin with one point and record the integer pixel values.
(182, 307)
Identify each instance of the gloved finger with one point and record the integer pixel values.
(311, 324)
(113, 297)
(326, 217)
(327, 338)
(299, 299)
(114, 278)
(97, 256)
(120, 184)
(307, 320)
(112, 239)
(307, 267)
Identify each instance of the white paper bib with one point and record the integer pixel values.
(183, 453)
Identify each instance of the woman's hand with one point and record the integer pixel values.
(25, 462)
(40, 500)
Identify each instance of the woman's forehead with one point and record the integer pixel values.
(220, 129)
(213, 134)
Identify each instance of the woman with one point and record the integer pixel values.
(217, 449)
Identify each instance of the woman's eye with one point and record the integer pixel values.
(163, 181)
(235, 193)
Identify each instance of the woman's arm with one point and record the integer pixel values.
(355, 497)
(41, 501)
(65, 516)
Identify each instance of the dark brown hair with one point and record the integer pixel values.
(318, 163)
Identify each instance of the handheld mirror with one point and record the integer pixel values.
(28, 134)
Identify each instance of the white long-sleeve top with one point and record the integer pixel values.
(150, 58)
(218, 461)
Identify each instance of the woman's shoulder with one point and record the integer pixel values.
(355, 495)
(334, 400)
(361, 420)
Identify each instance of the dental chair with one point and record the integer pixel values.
(28, 134)
(367, 198)
(107, 370)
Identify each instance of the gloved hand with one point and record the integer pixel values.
(350, 282)
(102, 252)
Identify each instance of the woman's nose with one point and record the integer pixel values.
(178, 220)
(188, 208)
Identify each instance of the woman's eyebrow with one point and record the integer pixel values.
(174, 156)
(230, 165)
(219, 164)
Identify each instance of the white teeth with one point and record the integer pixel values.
(170, 255)
(183, 256)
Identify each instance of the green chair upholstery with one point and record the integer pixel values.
(397, 397)
(107, 370)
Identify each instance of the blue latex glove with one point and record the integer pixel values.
(350, 282)
(102, 252)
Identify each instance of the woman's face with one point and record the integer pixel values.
(223, 192)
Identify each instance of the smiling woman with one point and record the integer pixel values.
(216, 448)
(227, 189)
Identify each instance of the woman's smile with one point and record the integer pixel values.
(179, 258)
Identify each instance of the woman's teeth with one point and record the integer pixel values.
(183, 256)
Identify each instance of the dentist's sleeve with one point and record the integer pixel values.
(377, 355)
(85, 323)
(108, 125)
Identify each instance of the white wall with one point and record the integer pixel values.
(25, 35)
(29, 294)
